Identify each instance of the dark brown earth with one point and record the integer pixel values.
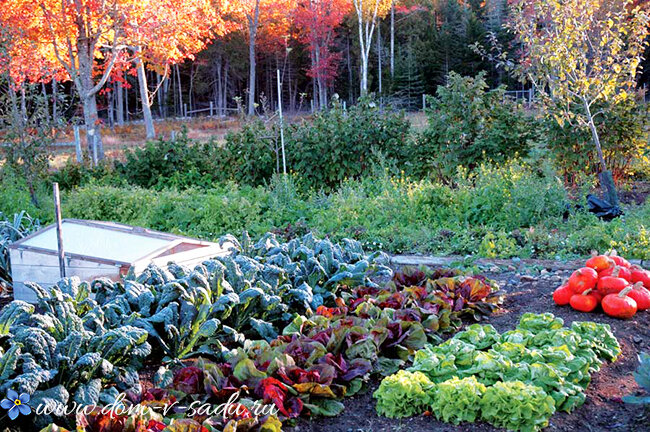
(602, 412)
(636, 193)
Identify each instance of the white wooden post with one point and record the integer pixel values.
(284, 159)
(211, 109)
(184, 110)
(173, 136)
(424, 102)
(59, 229)
(77, 144)
(95, 150)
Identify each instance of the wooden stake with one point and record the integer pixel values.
(59, 229)
(284, 159)
(77, 144)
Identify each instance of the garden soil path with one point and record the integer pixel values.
(602, 412)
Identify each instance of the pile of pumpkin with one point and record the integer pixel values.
(610, 281)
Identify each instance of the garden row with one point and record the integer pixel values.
(512, 210)
(515, 380)
(294, 325)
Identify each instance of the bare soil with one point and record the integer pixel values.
(603, 411)
(637, 193)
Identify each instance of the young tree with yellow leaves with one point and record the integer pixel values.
(579, 54)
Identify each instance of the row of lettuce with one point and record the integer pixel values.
(295, 325)
(516, 380)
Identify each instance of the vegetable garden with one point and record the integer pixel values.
(308, 323)
(279, 333)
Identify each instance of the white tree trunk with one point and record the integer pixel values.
(606, 179)
(145, 99)
(392, 41)
(366, 29)
(253, 21)
(120, 103)
(379, 56)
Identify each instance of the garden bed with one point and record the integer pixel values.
(527, 286)
(603, 409)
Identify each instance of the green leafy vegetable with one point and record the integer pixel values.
(539, 322)
(404, 394)
(528, 373)
(517, 406)
(642, 376)
(457, 400)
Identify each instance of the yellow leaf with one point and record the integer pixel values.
(315, 389)
(272, 424)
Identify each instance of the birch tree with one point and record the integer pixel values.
(368, 12)
(252, 13)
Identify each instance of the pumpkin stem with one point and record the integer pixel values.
(638, 286)
(625, 291)
(587, 291)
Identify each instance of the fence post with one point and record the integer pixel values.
(95, 149)
(345, 108)
(284, 159)
(59, 229)
(173, 136)
(312, 105)
(184, 110)
(211, 109)
(77, 144)
(424, 102)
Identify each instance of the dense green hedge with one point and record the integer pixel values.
(513, 210)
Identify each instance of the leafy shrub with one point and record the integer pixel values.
(623, 131)
(326, 149)
(469, 124)
(164, 163)
(252, 155)
(337, 144)
(15, 196)
(517, 406)
(74, 174)
(404, 394)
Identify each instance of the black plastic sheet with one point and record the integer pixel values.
(603, 209)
